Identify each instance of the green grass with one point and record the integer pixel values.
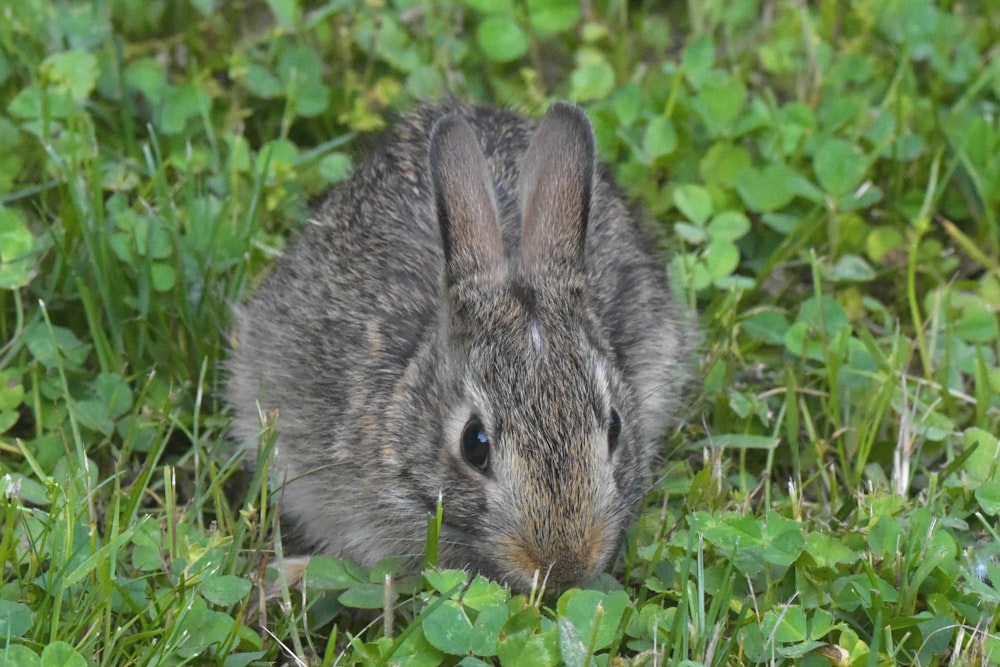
(827, 177)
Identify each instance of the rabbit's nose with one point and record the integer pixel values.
(559, 565)
(569, 569)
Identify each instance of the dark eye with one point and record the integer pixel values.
(475, 444)
(614, 430)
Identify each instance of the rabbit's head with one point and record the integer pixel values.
(541, 438)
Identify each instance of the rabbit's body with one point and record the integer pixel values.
(474, 314)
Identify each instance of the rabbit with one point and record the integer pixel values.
(473, 315)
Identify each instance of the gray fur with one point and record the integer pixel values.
(376, 351)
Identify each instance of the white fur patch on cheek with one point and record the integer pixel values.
(600, 374)
(536, 338)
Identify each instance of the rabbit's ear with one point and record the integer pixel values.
(555, 183)
(466, 202)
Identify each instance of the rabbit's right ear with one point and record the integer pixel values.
(557, 173)
(466, 203)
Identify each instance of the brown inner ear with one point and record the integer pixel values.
(555, 184)
(466, 202)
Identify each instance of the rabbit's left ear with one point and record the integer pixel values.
(466, 203)
(557, 174)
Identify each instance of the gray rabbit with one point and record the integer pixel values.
(474, 315)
